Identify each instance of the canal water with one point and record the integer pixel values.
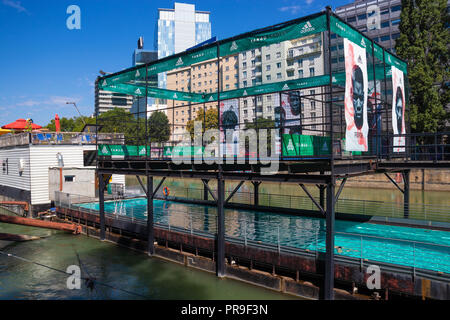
(119, 268)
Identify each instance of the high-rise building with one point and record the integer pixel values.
(141, 107)
(378, 19)
(107, 100)
(179, 29)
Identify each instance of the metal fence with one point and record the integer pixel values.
(284, 233)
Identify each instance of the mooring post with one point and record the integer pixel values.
(101, 199)
(150, 232)
(329, 255)
(220, 227)
(406, 194)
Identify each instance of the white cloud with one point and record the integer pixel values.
(16, 5)
(52, 101)
(291, 9)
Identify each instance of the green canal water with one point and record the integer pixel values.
(115, 266)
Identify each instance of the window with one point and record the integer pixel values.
(351, 19)
(311, 72)
(244, 65)
(5, 166)
(253, 63)
(313, 105)
(385, 24)
(395, 36)
(362, 17)
(300, 73)
(395, 22)
(245, 83)
(253, 53)
(268, 67)
(396, 8)
(227, 78)
(278, 54)
(268, 77)
(279, 75)
(290, 73)
(385, 38)
(312, 92)
(244, 74)
(244, 55)
(69, 178)
(290, 63)
(227, 86)
(279, 65)
(267, 56)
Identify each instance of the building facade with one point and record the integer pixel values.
(179, 29)
(107, 100)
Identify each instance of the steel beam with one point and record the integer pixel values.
(395, 183)
(205, 185)
(234, 191)
(158, 186)
(101, 199)
(341, 187)
(150, 231)
(329, 255)
(142, 185)
(205, 189)
(406, 194)
(312, 198)
(256, 192)
(220, 262)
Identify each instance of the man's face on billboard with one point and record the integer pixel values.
(358, 97)
(294, 101)
(399, 109)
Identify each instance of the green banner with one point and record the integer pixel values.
(138, 74)
(261, 39)
(183, 61)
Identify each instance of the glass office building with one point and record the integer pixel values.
(179, 29)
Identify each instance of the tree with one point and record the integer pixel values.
(424, 43)
(262, 123)
(209, 120)
(158, 127)
(119, 120)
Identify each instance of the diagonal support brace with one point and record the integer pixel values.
(159, 186)
(234, 191)
(209, 190)
(341, 187)
(142, 185)
(312, 198)
(395, 183)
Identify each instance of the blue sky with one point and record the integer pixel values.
(43, 64)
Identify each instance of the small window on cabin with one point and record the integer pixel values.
(69, 178)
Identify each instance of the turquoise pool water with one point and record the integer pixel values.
(422, 248)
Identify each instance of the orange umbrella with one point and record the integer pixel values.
(21, 124)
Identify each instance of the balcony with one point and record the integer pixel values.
(303, 51)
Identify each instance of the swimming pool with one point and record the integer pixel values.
(421, 248)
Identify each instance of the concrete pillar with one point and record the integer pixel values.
(101, 199)
(329, 255)
(150, 231)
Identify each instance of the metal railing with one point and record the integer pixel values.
(57, 138)
(417, 211)
(287, 233)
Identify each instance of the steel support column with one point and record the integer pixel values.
(101, 199)
(329, 255)
(220, 262)
(256, 192)
(406, 194)
(205, 189)
(150, 231)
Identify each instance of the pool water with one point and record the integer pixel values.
(421, 248)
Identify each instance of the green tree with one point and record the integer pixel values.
(262, 123)
(158, 127)
(208, 120)
(424, 43)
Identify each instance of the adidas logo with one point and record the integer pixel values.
(104, 83)
(142, 151)
(363, 43)
(211, 98)
(234, 46)
(290, 146)
(334, 79)
(285, 87)
(179, 62)
(138, 91)
(104, 150)
(137, 73)
(307, 27)
(175, 95)
(325, 147)
(245, 93)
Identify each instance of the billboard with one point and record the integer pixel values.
(398, 109)
(229, 121)
(356, 94)
(288, 115)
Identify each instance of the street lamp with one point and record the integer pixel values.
(77, 110)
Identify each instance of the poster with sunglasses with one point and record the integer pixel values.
(288, 116)
(398, 109)
(356, 94)
(229, 121)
